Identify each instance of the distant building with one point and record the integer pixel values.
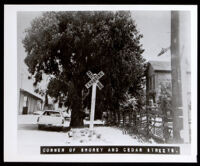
(29, 102)
(157, 73)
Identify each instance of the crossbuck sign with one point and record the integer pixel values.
(94, 82)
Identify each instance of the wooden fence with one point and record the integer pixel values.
(151, 123)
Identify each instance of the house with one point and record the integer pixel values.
(29, 102)
(158, 73)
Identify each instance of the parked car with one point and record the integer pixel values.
(52, 118)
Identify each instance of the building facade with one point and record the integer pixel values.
(29, 102)
(158, 74)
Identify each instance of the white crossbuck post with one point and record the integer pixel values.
(94, 82)
(93, 100)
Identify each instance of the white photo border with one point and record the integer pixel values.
(10, 87)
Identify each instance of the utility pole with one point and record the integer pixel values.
(176, 77)
(178, 46)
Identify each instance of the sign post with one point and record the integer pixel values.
(93, 100)
(94, 82)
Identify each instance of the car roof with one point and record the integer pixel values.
(51, 111)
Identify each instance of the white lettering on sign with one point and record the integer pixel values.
(94, 78)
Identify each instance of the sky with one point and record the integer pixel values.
(24, 21)
(154, 25)
(156, 29)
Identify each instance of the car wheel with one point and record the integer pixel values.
(40, 127)
(62, 128)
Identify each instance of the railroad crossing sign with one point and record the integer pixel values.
(94, 78)
(94, 82)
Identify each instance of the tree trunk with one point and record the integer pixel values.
(119, 119)
(130, 118)
(113, 117)
(116, 118)
(77, 116)
(123, 118)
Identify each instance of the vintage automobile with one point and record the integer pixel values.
(52, 118)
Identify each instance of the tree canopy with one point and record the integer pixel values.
(66, 45)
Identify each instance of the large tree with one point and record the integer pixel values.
(66, 45)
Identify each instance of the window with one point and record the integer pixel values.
(54, 114)
(46, 113)
(25, 104)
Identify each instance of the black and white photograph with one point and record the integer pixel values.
(101, 81)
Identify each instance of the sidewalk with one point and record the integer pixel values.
(101, 136)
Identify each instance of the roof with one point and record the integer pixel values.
(161, 65)
(31, 94)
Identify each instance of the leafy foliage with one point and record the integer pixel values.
(68, 44)
(165, 102)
